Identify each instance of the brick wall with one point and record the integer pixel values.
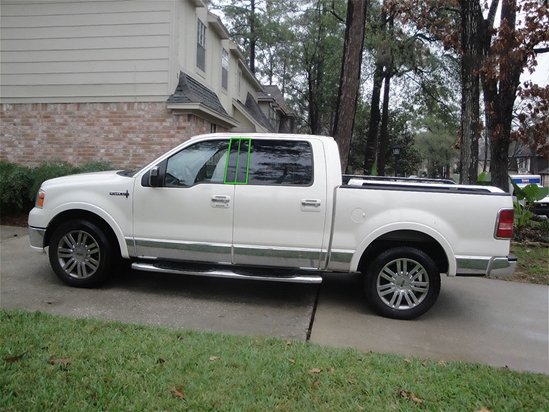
(124, 134)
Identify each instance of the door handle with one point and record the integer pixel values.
(316, 203)
(220, 201)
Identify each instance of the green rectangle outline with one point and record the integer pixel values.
(235, 182)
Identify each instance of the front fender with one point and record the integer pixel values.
(42, 218)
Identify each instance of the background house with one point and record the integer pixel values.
(121, 81)
(524, 160)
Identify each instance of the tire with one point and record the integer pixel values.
(402, 283)
(80, 253)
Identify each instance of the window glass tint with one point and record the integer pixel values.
(203, 162)
(243, 162)
(280, 162)
(238, 161)
(233, 159)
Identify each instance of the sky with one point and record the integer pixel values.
(541, 75)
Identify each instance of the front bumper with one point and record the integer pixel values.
(499, 266)
(36, 237)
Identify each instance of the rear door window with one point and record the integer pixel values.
(280, 162)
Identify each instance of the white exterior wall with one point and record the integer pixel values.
(187, 22)
(87, 51)
(112, 51)
(211, 76)
(246, 87)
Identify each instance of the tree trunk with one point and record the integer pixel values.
(499, 102)
(384, 135)
(471, 18)
(375, 117)
(253, 38)
(314, 111)
(349, 80)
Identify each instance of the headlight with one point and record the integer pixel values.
(40, 196)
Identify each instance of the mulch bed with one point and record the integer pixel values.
(14, 220)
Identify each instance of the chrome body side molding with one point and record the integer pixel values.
(229, 272)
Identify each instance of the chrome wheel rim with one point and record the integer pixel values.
(78, 254)
(402, 284)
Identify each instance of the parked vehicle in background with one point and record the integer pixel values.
(274, 207)
(539, 207)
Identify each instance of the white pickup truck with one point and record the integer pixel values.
(273, 207)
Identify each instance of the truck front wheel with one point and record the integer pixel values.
(80, 254)
(402, 283)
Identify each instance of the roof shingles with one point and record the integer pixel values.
(189, 90)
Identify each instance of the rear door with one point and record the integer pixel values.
(280, 202)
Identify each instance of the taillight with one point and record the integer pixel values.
(504, 224)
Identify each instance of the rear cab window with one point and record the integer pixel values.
(270, 162)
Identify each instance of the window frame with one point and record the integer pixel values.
(224, 69)
(201, 45)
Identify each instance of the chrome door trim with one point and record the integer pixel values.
(279, 256)
(178, 250)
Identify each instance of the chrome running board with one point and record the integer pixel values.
(272, 275)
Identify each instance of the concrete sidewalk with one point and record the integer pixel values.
(475, 320)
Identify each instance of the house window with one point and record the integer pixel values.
(213, 128)
(238, 82)
(201, 46)
(225, 69)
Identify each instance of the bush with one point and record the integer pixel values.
(99, 166)
(15, 182)
(20, 183)
(49, 170)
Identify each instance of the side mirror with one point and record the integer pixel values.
(153, 177)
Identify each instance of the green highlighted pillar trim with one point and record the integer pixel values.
(238, 161)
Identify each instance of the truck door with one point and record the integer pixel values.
(280, 203)
(189, 214)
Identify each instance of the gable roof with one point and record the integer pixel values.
(193, 97)
(253, 109)
(188, 90)
(272, 92)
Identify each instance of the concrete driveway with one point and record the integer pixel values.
(476, 320)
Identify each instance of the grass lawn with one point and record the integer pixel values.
(533, 263)
(51, 363)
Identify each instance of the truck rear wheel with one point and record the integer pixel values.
(80, 254)
(402, 283)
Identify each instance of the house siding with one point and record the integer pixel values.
(93, 51)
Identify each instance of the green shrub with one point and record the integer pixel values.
(526, 197)
(15, 181)
(19, 184)
(48, 170)
(98, 166)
